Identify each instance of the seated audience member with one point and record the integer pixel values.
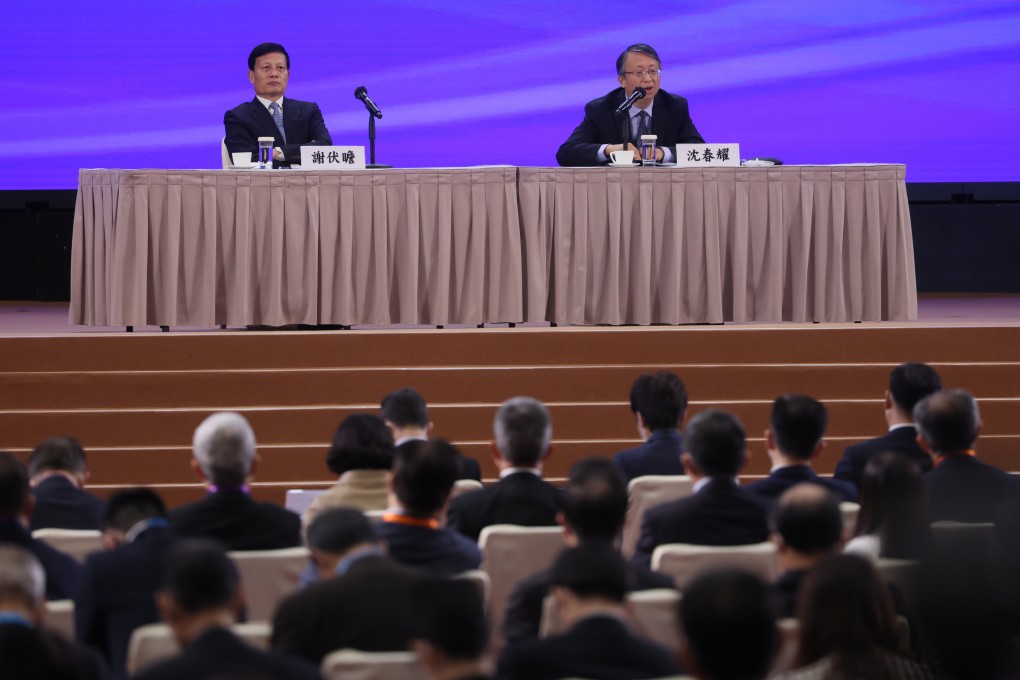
(449, 632)
(224, 456)
(200, 600)
(960, 487)
(407, 415)
(659, 402)
(908, 384)
(795, 438)
(361, 456)
(848, 626)
(360, 600)
(589, 584)
(893, 520)
(420, 483)
(57, 472)
(594, 509)
(659, 113)
(728, 632)
(719, 512)
(16, 503)
(118, 585)
(523, 432)
(28, 651)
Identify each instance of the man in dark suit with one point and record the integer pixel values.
(589, 584)
(660, 113)
(118, 585)
(659, 403)
(360, 600)
(16, 503)
(960, 487)
(407, 415)
(224, 456)
(908, 384)
(793, 439)
(523, 435)
(291, 123)
(57, 471)
(200, 600)
(719, 512)
(594, 509)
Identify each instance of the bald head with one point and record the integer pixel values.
(808, 519)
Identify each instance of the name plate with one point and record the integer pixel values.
(332, 158)
(707, 155)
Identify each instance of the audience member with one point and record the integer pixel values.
(118, 586)
(908, 384)
(728, 632)
(200, 600)
(406, 414)
(224, 456)
(449, 632)
(589, 584)
(960, 488)
(16, 504)
(719, 512)
(360, 600)
(522, 433)
(58, 474)
(659, 403)
(793, 439)
(893, 519)
(419, 487)
(594, 509)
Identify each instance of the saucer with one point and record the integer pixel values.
(243, 167)
(624, 165)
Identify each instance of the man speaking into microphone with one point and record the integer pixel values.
(658, 113)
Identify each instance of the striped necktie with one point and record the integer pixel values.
(278, 119)
(642, 126)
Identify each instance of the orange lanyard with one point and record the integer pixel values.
(428, 523)
(969, 452)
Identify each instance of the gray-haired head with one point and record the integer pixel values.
(948, 420)
(640, 48)
(22, 578)
(224, 446)
(523, 430)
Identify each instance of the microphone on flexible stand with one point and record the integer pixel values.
(361, 92)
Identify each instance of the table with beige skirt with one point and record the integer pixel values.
(491, 245)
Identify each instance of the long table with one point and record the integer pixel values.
(486, 245)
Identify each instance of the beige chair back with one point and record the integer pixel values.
(155, 642)
(298, 500)
(463, 486)
(789, 646)
(850, 512)
(268, 576)
(481, 580)
(225, 154)
(683, 561)
(77, 543)
(60, 617)
(352, 664)
(904, 573)
(647, 492)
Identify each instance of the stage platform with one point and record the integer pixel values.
(134, 399)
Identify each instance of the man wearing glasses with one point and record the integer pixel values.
(659, 113)
(291, 123)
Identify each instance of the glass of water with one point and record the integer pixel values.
(265, 153)
(648, 149)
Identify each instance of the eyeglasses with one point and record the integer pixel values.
(655, 73)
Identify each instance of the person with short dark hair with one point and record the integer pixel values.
(719, 512)
(659, 113)
(291, 123)
(659, 403)
(728, 632)
(589, 584)
(908, 384)
(522, 439)
(893, 518)
(449, 631)
(57, 472)
(407, 415)
(794, 438)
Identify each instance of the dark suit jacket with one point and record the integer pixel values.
(903, 440)
(597, 647)
(963, 489)
(59, 504)
(521, 498)
(721, 513)
(440, 551)
(671, 123)
(363, 609)
(776, 483)
(302, 121)
(660, 455)
(238, 521)
(41, 654)
(218, 653)
(62, 572)
(117, 594)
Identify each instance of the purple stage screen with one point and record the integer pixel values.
(145, 83)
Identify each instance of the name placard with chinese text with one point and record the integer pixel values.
(332, 158)
(707, 155)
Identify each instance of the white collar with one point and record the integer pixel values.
(514, 470)
(900, 426)
(412, 438)
(267, 102)
(635, 111)
(703, 482)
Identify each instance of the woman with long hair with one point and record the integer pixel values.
(893, 520)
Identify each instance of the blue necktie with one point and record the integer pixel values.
(642, 126)
(278, 119)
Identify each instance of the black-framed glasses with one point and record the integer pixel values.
(654, 73)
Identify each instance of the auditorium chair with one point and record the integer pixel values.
(60, 617)
(155, 642)
(481, 580)
(647, 492)
(77, 543)
(653, 615)
(683, 561)
(298, 500)
(352, 664)
(225, 154)
(268, 576)
(904, 573)
(850, 512)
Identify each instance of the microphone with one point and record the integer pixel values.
(638, 93)
(362, 94)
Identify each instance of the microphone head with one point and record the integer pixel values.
(640, 92)
(360, 92)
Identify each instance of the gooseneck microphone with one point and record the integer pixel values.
(638, 93)
(362, 93)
